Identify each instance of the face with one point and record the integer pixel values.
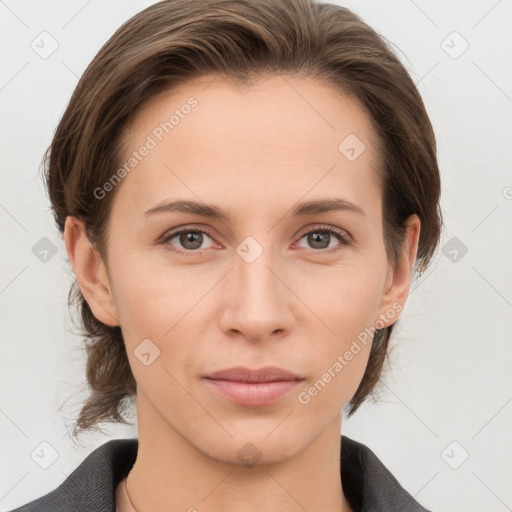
(275, 281)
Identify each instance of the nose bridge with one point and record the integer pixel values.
(254, 269)
(258, 301)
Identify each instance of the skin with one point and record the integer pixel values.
(255, 153)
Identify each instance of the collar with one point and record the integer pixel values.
(91, 487)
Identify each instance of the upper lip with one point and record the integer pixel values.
(243, 374)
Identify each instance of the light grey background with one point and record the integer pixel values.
(449, 393)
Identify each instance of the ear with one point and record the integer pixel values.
(90, 272)
(398, 279)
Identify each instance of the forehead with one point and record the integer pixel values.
(248, 146)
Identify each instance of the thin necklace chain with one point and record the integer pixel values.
(127, 494)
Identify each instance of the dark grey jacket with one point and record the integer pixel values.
(367, 483)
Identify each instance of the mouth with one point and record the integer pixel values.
(253, 387)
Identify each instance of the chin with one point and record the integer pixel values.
(253, 446)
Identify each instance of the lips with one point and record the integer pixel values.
(243, 374)
(253, 387)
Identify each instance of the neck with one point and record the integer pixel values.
(170, 469)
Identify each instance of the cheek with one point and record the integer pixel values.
(152, 293)
(347, 306)
(156, 312)
(345, 299)
(167, 305)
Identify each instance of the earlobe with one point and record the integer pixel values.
(90, 272)
(398, 280)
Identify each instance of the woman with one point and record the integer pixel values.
(244, 190)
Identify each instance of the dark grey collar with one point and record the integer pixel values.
(367, 483)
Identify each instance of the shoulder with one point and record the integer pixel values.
(368, 485)
(91, 486)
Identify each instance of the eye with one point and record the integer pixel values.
(321, 237)
(189, 239)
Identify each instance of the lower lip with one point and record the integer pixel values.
(252, 393)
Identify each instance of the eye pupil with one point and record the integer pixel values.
(195, 237)
(319, 237)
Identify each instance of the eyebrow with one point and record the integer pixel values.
(214, 212)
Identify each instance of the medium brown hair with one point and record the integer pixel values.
(174, 41)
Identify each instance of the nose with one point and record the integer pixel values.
(257, 301)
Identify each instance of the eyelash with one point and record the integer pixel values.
(344, 239)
